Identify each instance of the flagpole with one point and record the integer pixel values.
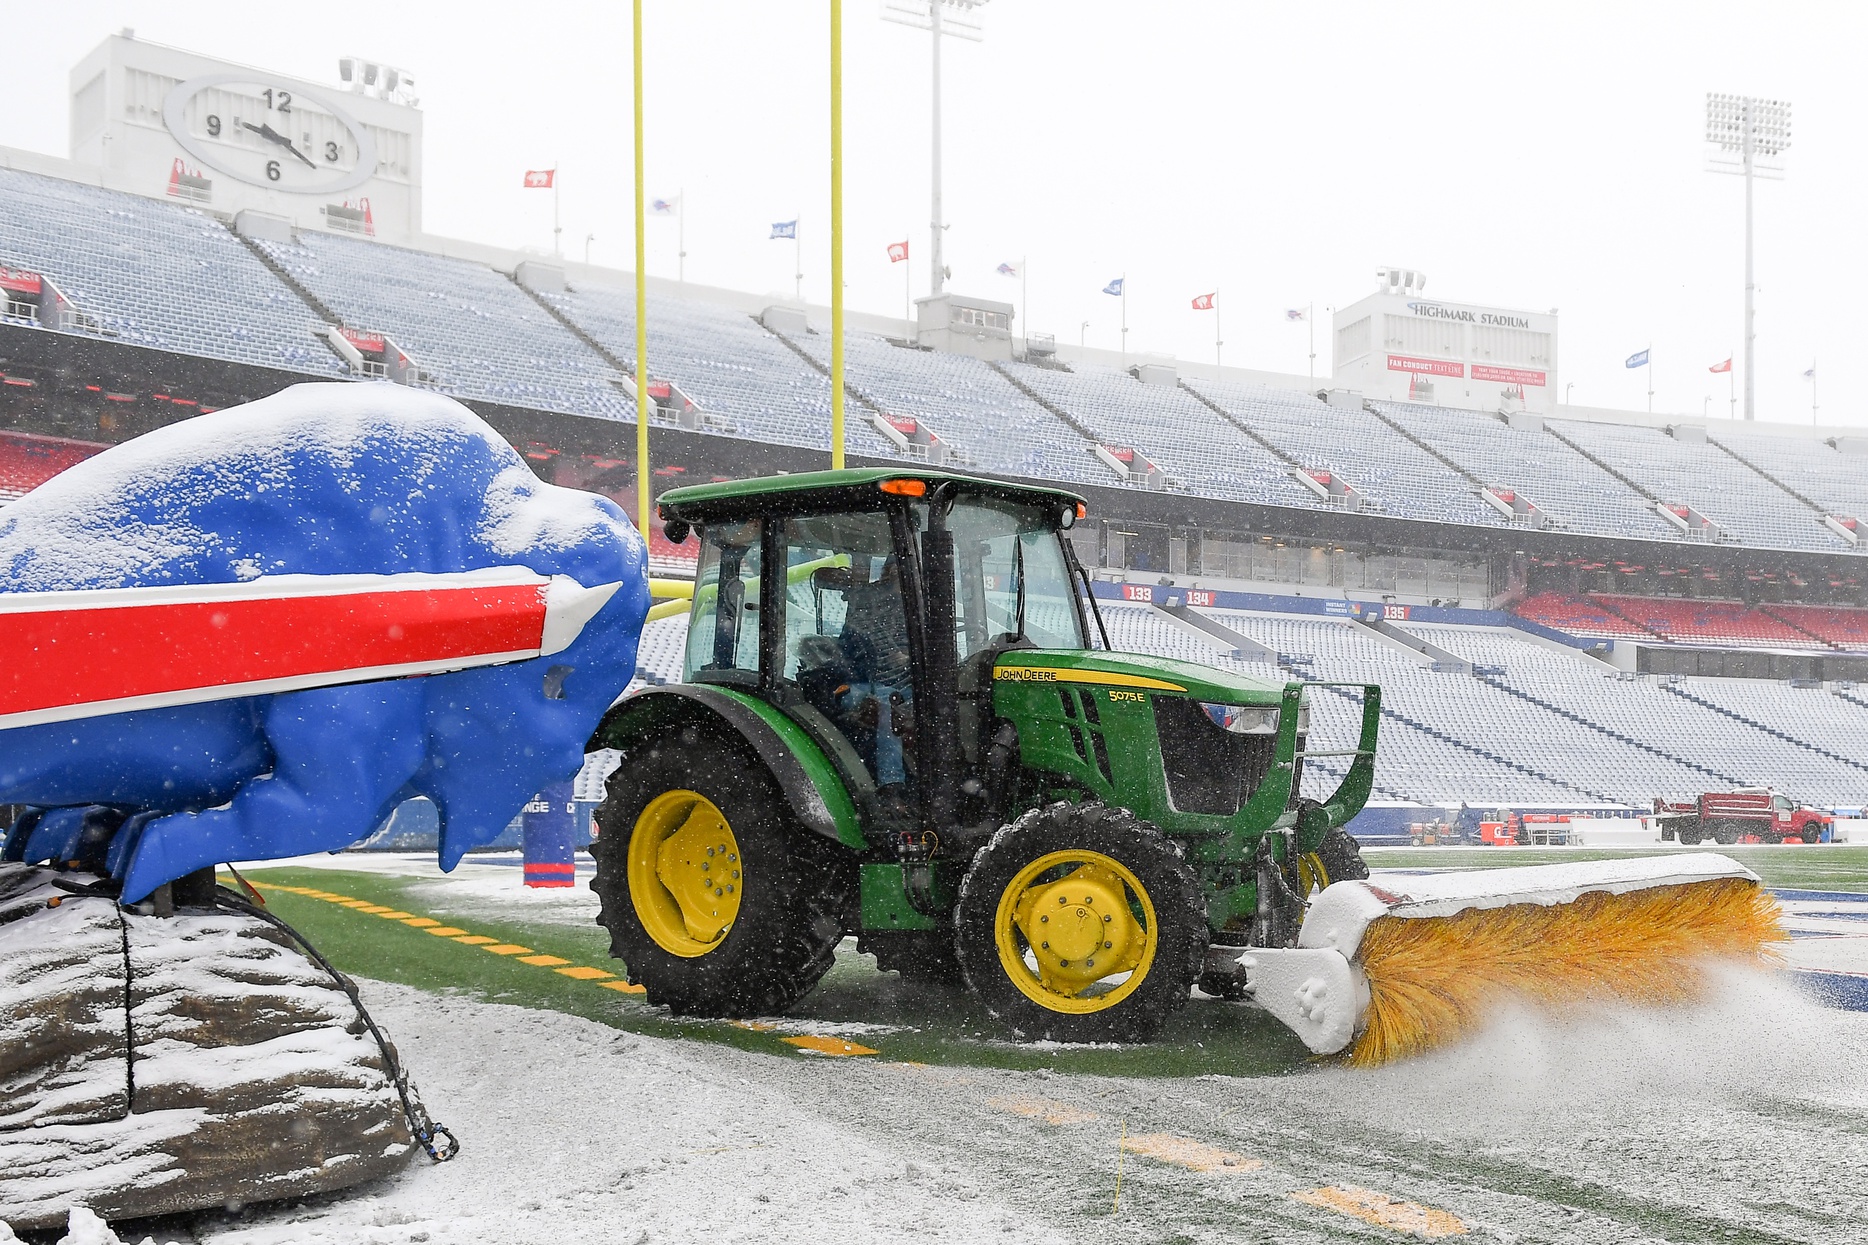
(908, 324)
(557, 230)
(1217, 343)
(836, 234)
(1125, 319)
(681, 236)
(1650, 377)
(1310, 322)
(642, 303)
(797, 259)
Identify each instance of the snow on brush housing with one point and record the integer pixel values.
(1568, 608)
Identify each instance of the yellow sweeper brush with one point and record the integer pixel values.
(1390, 969)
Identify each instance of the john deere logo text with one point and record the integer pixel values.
(1025, 674)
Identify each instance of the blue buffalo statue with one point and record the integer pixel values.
(318, 480)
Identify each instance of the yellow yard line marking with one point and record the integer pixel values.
(558, 964)
(582, 972)
(1384, 1211)
(827, 1045)
(1188, 1153)
(757, 1026)
(1046, 1109)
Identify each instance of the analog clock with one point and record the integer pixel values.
(282, 138)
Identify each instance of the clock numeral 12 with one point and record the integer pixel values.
(284, 103)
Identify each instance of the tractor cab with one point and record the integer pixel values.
(870, 609)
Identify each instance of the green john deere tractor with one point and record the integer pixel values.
(893, 723)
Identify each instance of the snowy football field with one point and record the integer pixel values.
(884, 1112)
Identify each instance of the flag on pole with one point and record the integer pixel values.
(539, 179)
(1204, 302)
(1296, 313)
(1811, 374)
(784, 229)
(898, 251)
(1637, 359)
(1722, 367)
(665, 207)
(1009, 270)
(1115, 287)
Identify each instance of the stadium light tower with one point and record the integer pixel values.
(1750, 137)
(962, 23)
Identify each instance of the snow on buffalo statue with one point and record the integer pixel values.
(276, 510)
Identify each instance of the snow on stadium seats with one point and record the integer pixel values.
(967, 404)
(1398, 476)
(1171, 428)
(726, 362)
(1577, 493)
(156, 274)
(1696, 473)
(473, 332)
(1836, 481)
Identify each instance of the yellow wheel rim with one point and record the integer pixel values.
(1311, 874)
(684, 873)
(1076, 931)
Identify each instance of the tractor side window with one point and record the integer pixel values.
(1010, 578)
(846, 635)
(723, 628)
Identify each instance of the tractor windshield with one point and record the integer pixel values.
(1010, 578)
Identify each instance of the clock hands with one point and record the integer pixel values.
(273, 136)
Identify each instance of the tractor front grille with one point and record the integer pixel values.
(1209, 769)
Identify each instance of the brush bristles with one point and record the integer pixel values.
(1435, 979)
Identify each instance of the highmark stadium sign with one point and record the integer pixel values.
(1439, 312)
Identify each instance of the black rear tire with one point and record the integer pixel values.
(1724, 833)
(1156, 862)
(797, 885)
(1811, 834)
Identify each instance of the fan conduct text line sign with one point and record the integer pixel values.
(87, 653)
(1425, 367)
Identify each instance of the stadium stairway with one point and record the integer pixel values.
(1752, 722)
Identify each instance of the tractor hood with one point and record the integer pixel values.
(1136, 670)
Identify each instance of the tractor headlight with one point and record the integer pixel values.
(1242, 719)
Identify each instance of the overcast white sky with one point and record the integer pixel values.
(1526, 155)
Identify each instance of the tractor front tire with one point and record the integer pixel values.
(1057, 888)
(717, 901)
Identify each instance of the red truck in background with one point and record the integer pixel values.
(1727, 816)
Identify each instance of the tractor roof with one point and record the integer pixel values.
(853, 487)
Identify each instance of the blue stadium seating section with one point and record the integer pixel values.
(1398, 476)
(966, 404)
(473, 330)
(173, 277)
(157, 274)
(731, 366)
(1835, 481)
(1703, 477)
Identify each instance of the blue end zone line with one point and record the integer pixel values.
(1823, 896)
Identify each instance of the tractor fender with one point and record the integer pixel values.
(811, 784)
